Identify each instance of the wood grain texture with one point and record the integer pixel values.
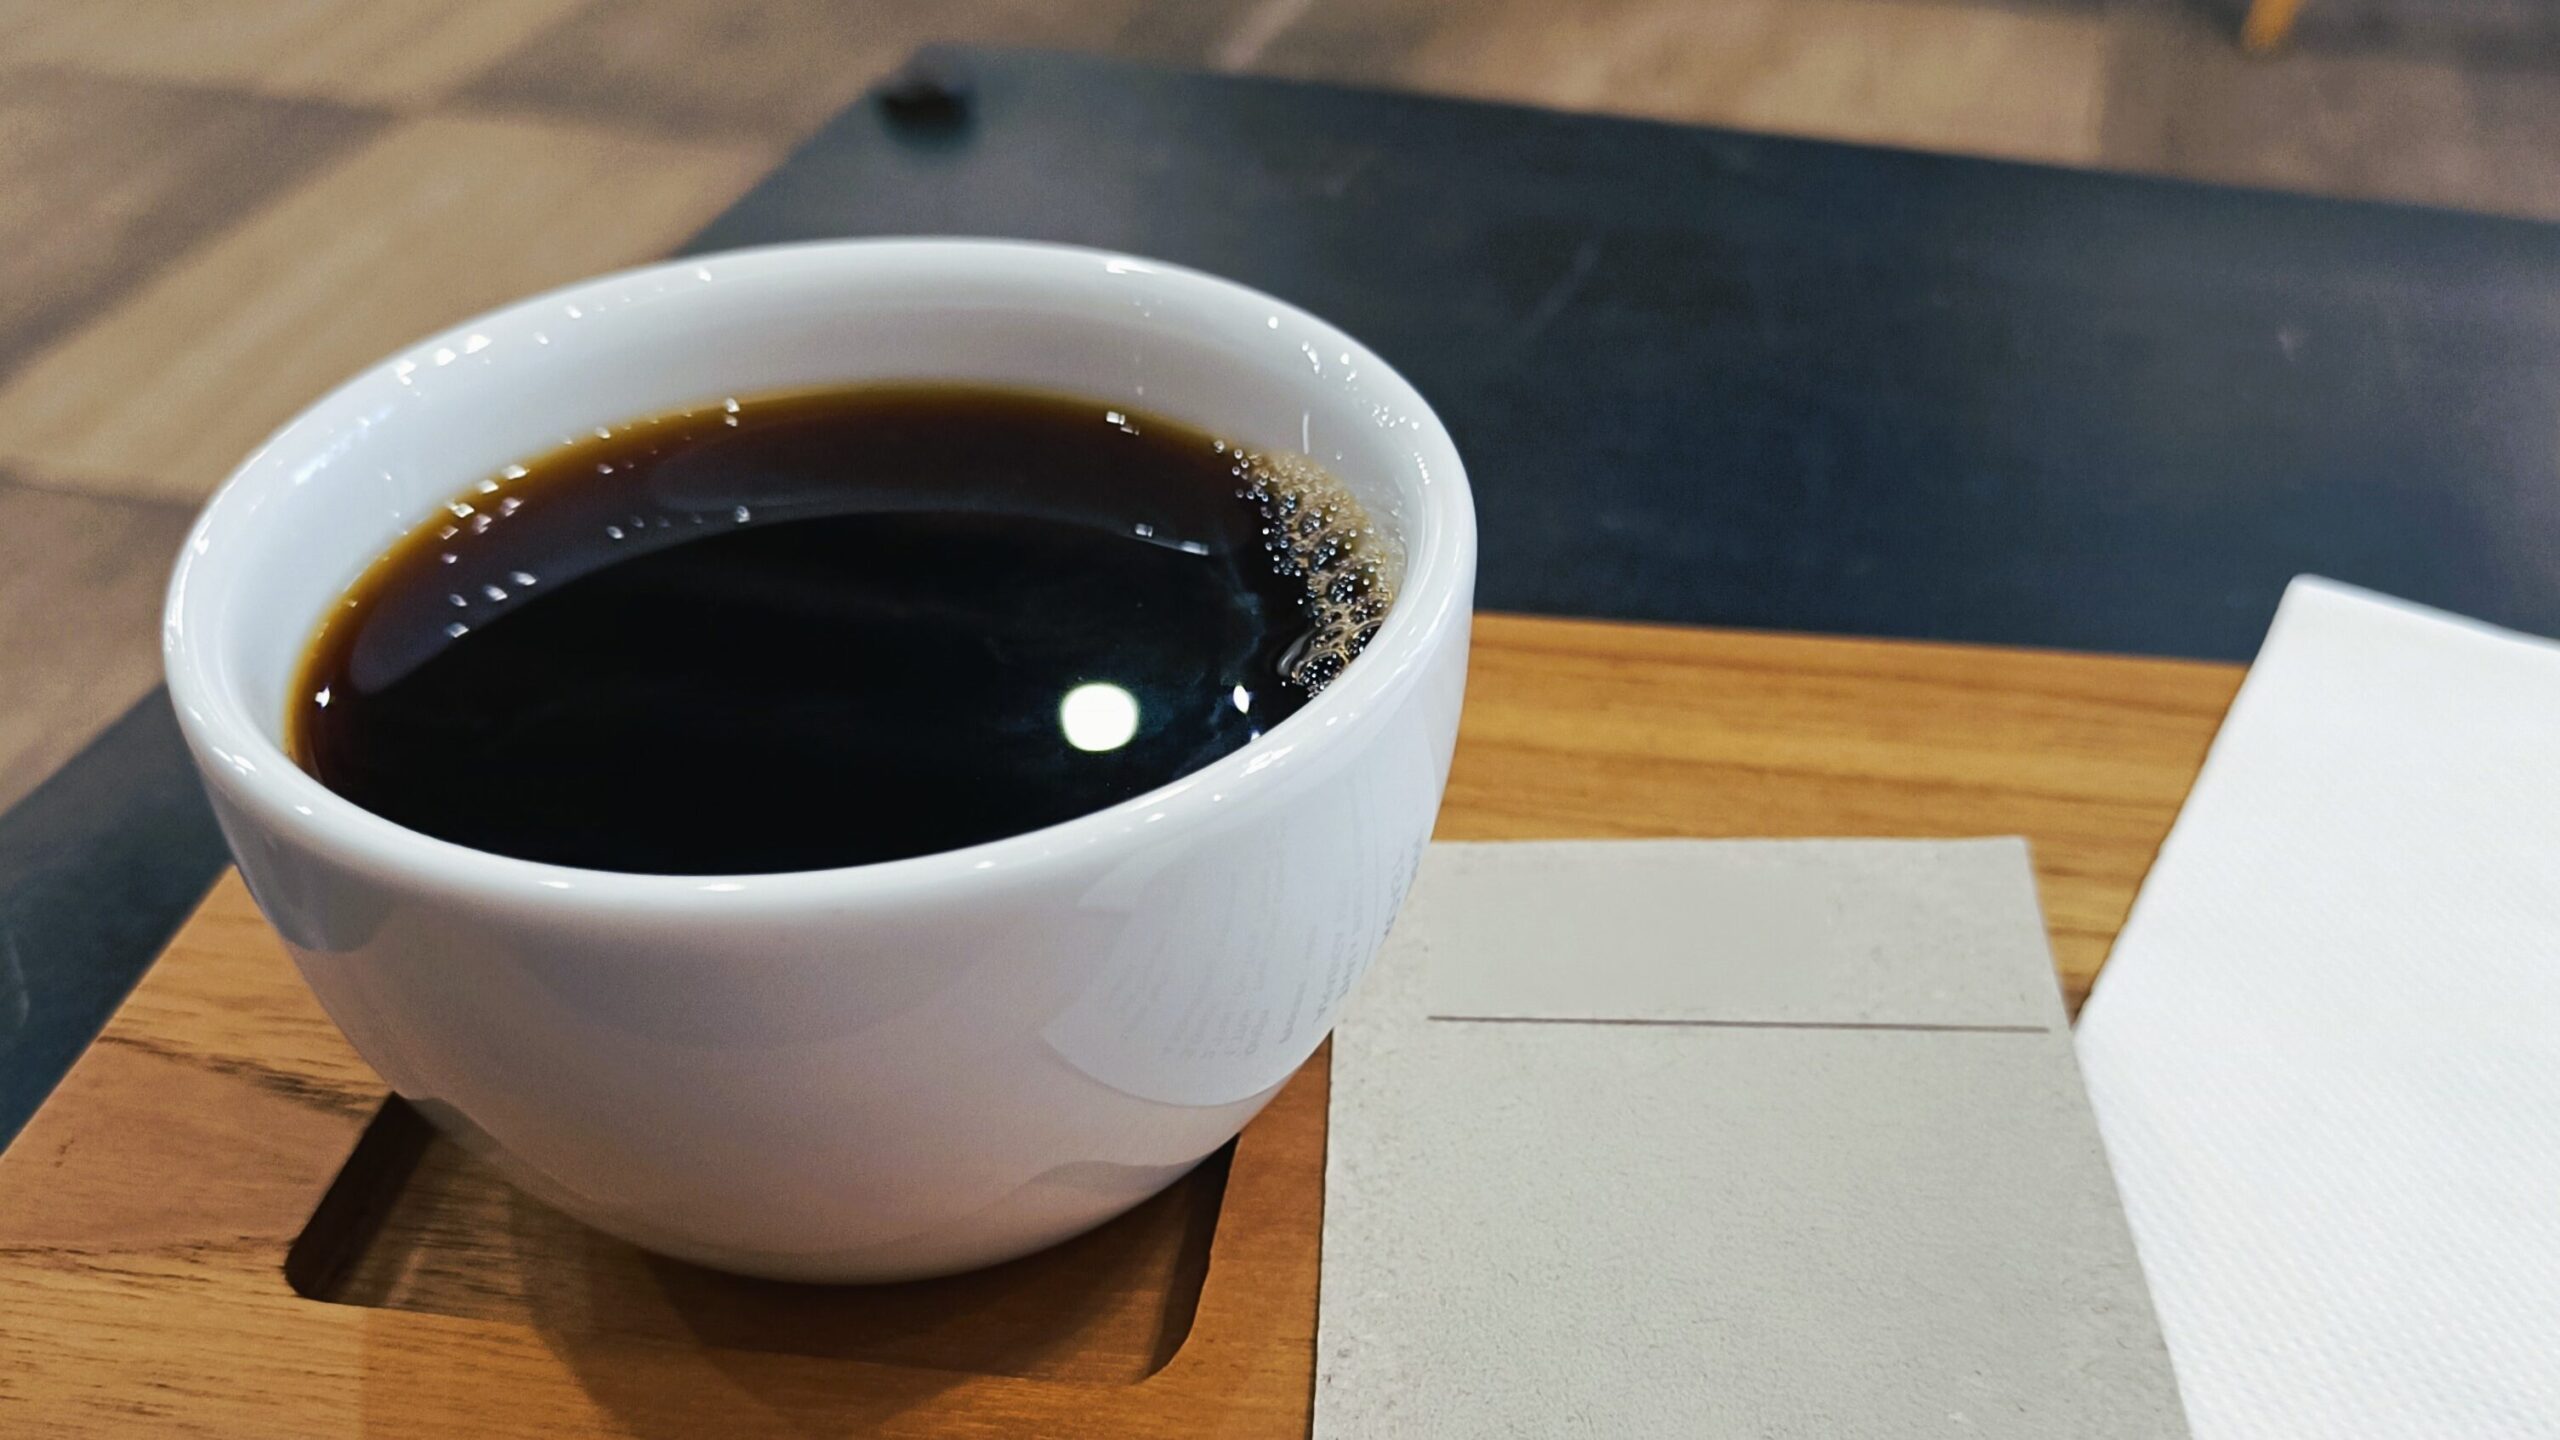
(103, 181)
(146, 1212)
(80, 583)
(1108, 1307)
(1574, 729)
(771, 70)
(1981, 79)
(436, 219)
(387, 52)
(2396, 123)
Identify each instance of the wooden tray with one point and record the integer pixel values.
(219, 1225)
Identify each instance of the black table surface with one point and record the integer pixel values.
(1697, 376)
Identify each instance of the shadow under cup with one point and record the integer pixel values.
(892, 1070)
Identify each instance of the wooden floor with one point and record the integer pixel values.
(211, 211)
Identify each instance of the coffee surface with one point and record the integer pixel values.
(819, 629)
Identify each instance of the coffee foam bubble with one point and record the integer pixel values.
(1315, 529)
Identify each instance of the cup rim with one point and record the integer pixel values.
(236, 757)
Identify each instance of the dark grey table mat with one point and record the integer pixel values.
(1729, 379)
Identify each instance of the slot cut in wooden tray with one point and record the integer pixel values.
(415, 1222)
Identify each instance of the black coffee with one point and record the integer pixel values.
(801, 631)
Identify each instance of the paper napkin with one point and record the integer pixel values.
(2326, 1051)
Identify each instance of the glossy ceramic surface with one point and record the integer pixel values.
(892, 1070)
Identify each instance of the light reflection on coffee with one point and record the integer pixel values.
(828, 628)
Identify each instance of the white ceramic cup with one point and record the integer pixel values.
(889, 1070)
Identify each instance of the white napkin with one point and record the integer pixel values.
(2325, 1054)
